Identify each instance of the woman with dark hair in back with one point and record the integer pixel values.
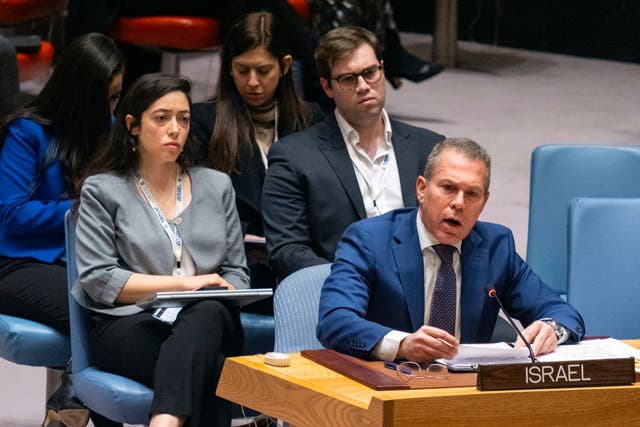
(44, 148)
(149, 222)
(255, 104)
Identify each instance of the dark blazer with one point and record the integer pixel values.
(377, 285)
(248, 179)
(311, 193)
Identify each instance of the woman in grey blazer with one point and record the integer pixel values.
(148, 222)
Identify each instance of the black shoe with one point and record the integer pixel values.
(398, 62)
(64, 407)
(411, 67)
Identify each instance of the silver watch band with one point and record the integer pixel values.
(562, 334)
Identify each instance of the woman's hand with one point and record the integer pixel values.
(144, 285)
(196, 282)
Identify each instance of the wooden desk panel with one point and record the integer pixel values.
(308, 394)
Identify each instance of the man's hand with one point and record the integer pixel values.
(428, 343)
(541, 337)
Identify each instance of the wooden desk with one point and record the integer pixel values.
(307, 394)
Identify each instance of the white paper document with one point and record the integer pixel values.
(471, 355)
(608, 348)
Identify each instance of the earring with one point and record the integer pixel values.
(133, 141)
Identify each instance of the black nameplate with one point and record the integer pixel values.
(581, 373)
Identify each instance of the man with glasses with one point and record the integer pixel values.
(414, 283)
(357, 163)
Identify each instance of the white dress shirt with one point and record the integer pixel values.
(387, 347)
(378, 179)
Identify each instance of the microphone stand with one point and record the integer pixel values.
(493, 294)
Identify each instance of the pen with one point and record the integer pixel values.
(444, 342)
(390, 365)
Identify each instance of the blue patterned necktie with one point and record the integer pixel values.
(443, 302)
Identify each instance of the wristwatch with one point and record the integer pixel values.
(562, 334)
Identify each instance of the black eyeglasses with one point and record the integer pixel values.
(370, 75)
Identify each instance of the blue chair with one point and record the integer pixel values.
(113, 396)
(258, 333)
(295, 306)
(560, 173)
(26, 342)
(604, 272)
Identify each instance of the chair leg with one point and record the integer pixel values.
(170, 63)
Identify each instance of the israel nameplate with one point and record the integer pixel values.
(579, 373)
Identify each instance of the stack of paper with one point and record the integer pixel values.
(471, 355)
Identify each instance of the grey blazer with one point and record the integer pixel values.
(118, 234)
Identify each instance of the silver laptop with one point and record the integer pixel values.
(237, 297)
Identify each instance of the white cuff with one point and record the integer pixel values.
(387, 347)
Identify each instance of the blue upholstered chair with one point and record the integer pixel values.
(560, 173)
(295, 306)
(115, 397)
(604, 267)
(26, 342)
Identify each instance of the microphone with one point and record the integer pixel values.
(493, 294)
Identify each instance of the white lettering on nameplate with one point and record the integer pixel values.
(536, 374)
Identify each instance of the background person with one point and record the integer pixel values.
(355, 164)
(376, 16)
(45, 147)
(98, 15)
(9, 83)
(255, 105)
(394, 293)
(149, 222)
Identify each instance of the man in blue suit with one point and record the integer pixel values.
(384, 298)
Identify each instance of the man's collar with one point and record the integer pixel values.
(350, 135)
(426, 239)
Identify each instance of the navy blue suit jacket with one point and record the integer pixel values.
(377, 285)
(311, 193)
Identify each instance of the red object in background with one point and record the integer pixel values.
(35, 65)
(170, 32)
(15, 12)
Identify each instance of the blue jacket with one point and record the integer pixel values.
(32, 201)
(377, 285)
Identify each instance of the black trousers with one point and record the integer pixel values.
(35, 290)
(181, 362)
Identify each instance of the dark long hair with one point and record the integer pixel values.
(75, 104)
(233, 129)
(117, 155)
